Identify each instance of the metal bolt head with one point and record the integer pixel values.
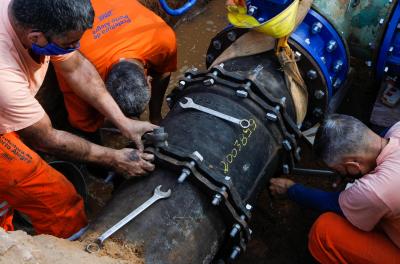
(252, 10)
(286, 145)
(209, 58)
(227, 178)
(231, 36)
(198, 155)
(182, 84)
(285, 169)
(217, 44)
(271, 117)
(338, 66)
(208, 82)
(319, 94)
(337, 83)
(194, 69)
(215, 73)
(184, 174)
(312, 74)
(235, 253)
(331, 46)
(249, 207)
(221, 65)
(235, 230)
(217, 199)
(316, 28)
(381, 21)
(242, 93)
(297, 56)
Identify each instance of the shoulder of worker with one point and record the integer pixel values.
(126, 29)
(394, 131)
(384, 181)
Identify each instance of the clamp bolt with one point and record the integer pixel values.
(337, 83)
(285, 169)
(217, 44)
(316, 28)
(312, 74)
(319, 94)
(271, 117)
(241, 93)
(331, 46)
(208, 82)
(185, 173)
(181, 84)
(217, 199)
(249, 207)
(286, 145)
(235, 230)
(231, 36)
(235, 253)
(338, 66)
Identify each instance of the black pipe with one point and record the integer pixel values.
(187, 228)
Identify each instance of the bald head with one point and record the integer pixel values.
(341, 136)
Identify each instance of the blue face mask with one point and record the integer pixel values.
(51, 49)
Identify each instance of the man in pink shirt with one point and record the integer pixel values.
(365, 225)
(33, 33)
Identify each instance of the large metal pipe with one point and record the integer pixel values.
(187, 228)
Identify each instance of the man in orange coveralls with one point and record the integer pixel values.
(33, 32)
(127, 42)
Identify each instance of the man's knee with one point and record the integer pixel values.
(323, 234)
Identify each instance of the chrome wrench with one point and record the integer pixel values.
(243, 123)
(158, 195)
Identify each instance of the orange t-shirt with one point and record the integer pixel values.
(20, 78)
(127, 29)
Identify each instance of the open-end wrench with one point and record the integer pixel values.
(243, 123)
(158, 194)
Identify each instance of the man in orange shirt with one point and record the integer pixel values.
(33, 32)
(127, 42)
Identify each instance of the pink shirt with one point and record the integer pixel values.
(20, 79)
(374, 200)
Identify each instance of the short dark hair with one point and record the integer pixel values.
(338, 136)
(53, 17)
(128, 85)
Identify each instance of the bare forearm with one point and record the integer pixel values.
(84, 80)
(66, 145)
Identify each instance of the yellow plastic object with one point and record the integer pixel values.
(279, 26)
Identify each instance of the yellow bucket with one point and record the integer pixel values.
(279, 26)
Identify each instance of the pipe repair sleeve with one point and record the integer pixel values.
(315, 199)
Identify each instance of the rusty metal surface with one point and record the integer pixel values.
(361, 22)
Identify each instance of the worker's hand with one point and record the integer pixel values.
(132, 162)
(134, 130)
(280, 185)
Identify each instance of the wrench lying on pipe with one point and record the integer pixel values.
(158, 194)
(243, 123)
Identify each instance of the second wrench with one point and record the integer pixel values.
(158, 194)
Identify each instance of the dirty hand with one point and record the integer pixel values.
(132, 162)
(134, 129)
(280, 185)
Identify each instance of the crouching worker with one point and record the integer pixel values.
(362, 223)
(34, 32)
(127, 43)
